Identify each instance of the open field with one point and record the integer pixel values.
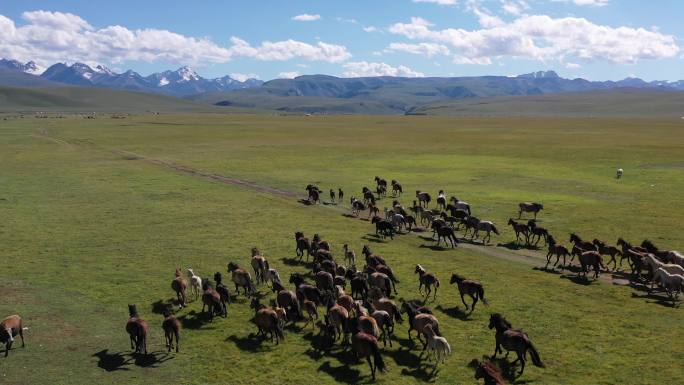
(94, 218)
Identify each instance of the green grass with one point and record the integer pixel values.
(86, 231)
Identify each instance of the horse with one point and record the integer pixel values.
(396, 188)
(487, 226)
(427, 279)
(357, 206)
(381, 191)
(385, 324)
(365, 345)
(418, 321)
(423, 198)
(447, 233)
(612, 251)
(212, 299)
(426, 217)
(340, 195)
(520, 228)
(195, 282)
(530, 207)
(324, 281)
(171, 326)
(584, 245)
(672, 283)
(222, 289)
(655, 264)
(558, 250)
(397, 221)
(627, 250)
(441, 200)
(373, 210)
(349, 255)
(180, 286)
(306, 291)
(470, 223)
(380, 182)
(259, 265)
(267, 321)
(590, 258)
(381, 281)
(470, 287)
(537, 231)
(619, 173)
(368, 197)
(515, 340)
(10, 327)
(437, 346)
(456, 212)
(137, 329)
(488, 371)
(651, 248)
(241, 278)
(372, 258)
(383, 227)
(314, 196)
(302, 245)
(460, 205)
(332, 195)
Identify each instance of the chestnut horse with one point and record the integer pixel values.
(171, 327)
(180, 286)
(558, 250)
(10, 327)
(137, 329)
(488, 371)
(366, 346)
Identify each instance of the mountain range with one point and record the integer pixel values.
(315, 93)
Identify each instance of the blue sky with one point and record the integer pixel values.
(594, 39)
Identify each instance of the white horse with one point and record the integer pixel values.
(195, 282)
(460, 205)
(656, 264)
(619, 173)
(672, 283)
(487, 226)
(436, 346)
(349, 255)
(675, 257)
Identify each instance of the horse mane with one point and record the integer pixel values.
(648, 245)
(458, 277)
(501, 320)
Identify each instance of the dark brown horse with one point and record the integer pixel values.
(212, 300)
(302, 245)
(530, 207)
(469, 287)
(396, 188)
(593, 259)
(383, 227)
(557, 250)
(428, 280)
(10, 327)
(366, 346)
(537, 231)
(137, 329)
(418, 320)
(520, 228)
(513, 340)
(180, 286)
(267, 321)
(584, 245)
(488, 371)
(611, 251)
(171, 327)
(423, 198)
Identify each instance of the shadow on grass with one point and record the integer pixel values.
(158, 307)
(516, 246)
(413, 364)
(342, 373)
(434, 247)
(660, 299)
(455, 312)
(510, 372)
(305, 202)
(295, 262)
(151, 360)
(111, 362)
(251, 343)
(194, 320)
(373, 238)
(549, 270)
(580, 280)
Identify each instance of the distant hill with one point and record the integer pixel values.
(621, 102)
(14, 78)
(85, 100)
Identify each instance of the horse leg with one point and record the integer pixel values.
(463, 300)
(371, 367)
(475, 298)
(434, 297)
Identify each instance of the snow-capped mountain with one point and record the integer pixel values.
(30, 67)
(181, 82)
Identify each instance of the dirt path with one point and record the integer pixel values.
(526, 256)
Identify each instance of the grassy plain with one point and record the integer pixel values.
(86, 230)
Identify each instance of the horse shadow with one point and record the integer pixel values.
(659, 299)
(343, 373)
(194, 320)
(111, 362)
(513, 245)
(160, 306)
(373, 238)
(151, 360)
(426, 238)
(434, 247)
(319, 345)
(508, 371)
(413, 364)
(252, 343)
(305, 202)
(455, 312)
(547, 270)
(577, 279)
(293, 261)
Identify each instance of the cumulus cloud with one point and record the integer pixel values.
(364, 68)
(514, 7)
(288, 75)
(544, 38)
(425, 49)
(48, 37)
(306, 17)
(440, 2)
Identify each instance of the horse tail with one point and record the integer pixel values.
(536, 360)
(379, 362)
(436, 329)
(436, 282)
(480, 293)
(468, 207)
(397, 314)
(266, 266)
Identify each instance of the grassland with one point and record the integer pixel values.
(87, 230)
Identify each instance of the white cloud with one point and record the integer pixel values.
(514, 7)
(425, 49)
(370, 29)
(288, 75)
(543, 38)
(572, 65)
(440, 2)
(343, 20)
(48, 37)
(242, 77)
(364, 68)
(592, 3)
(306, 17)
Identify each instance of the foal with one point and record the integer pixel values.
(171, 327)
(427, 279)
(196, 283)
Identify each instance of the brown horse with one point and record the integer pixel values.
(366, 346)
(259, 265)
(418, 321)
(593, 259)
(537, 231)
(515, 340)
(396, 188)
(267, 321)
(241, 278)
(530, 207)
(520, 228)
(584, 245)
(212, 299)
(470, 287)
(180, 286)
(611, 251)
(488, 371)
(10, 327)
(428, 280)
(171, 327)
(137, 329)
(423, 198)
(302, 245)
(557, 250)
